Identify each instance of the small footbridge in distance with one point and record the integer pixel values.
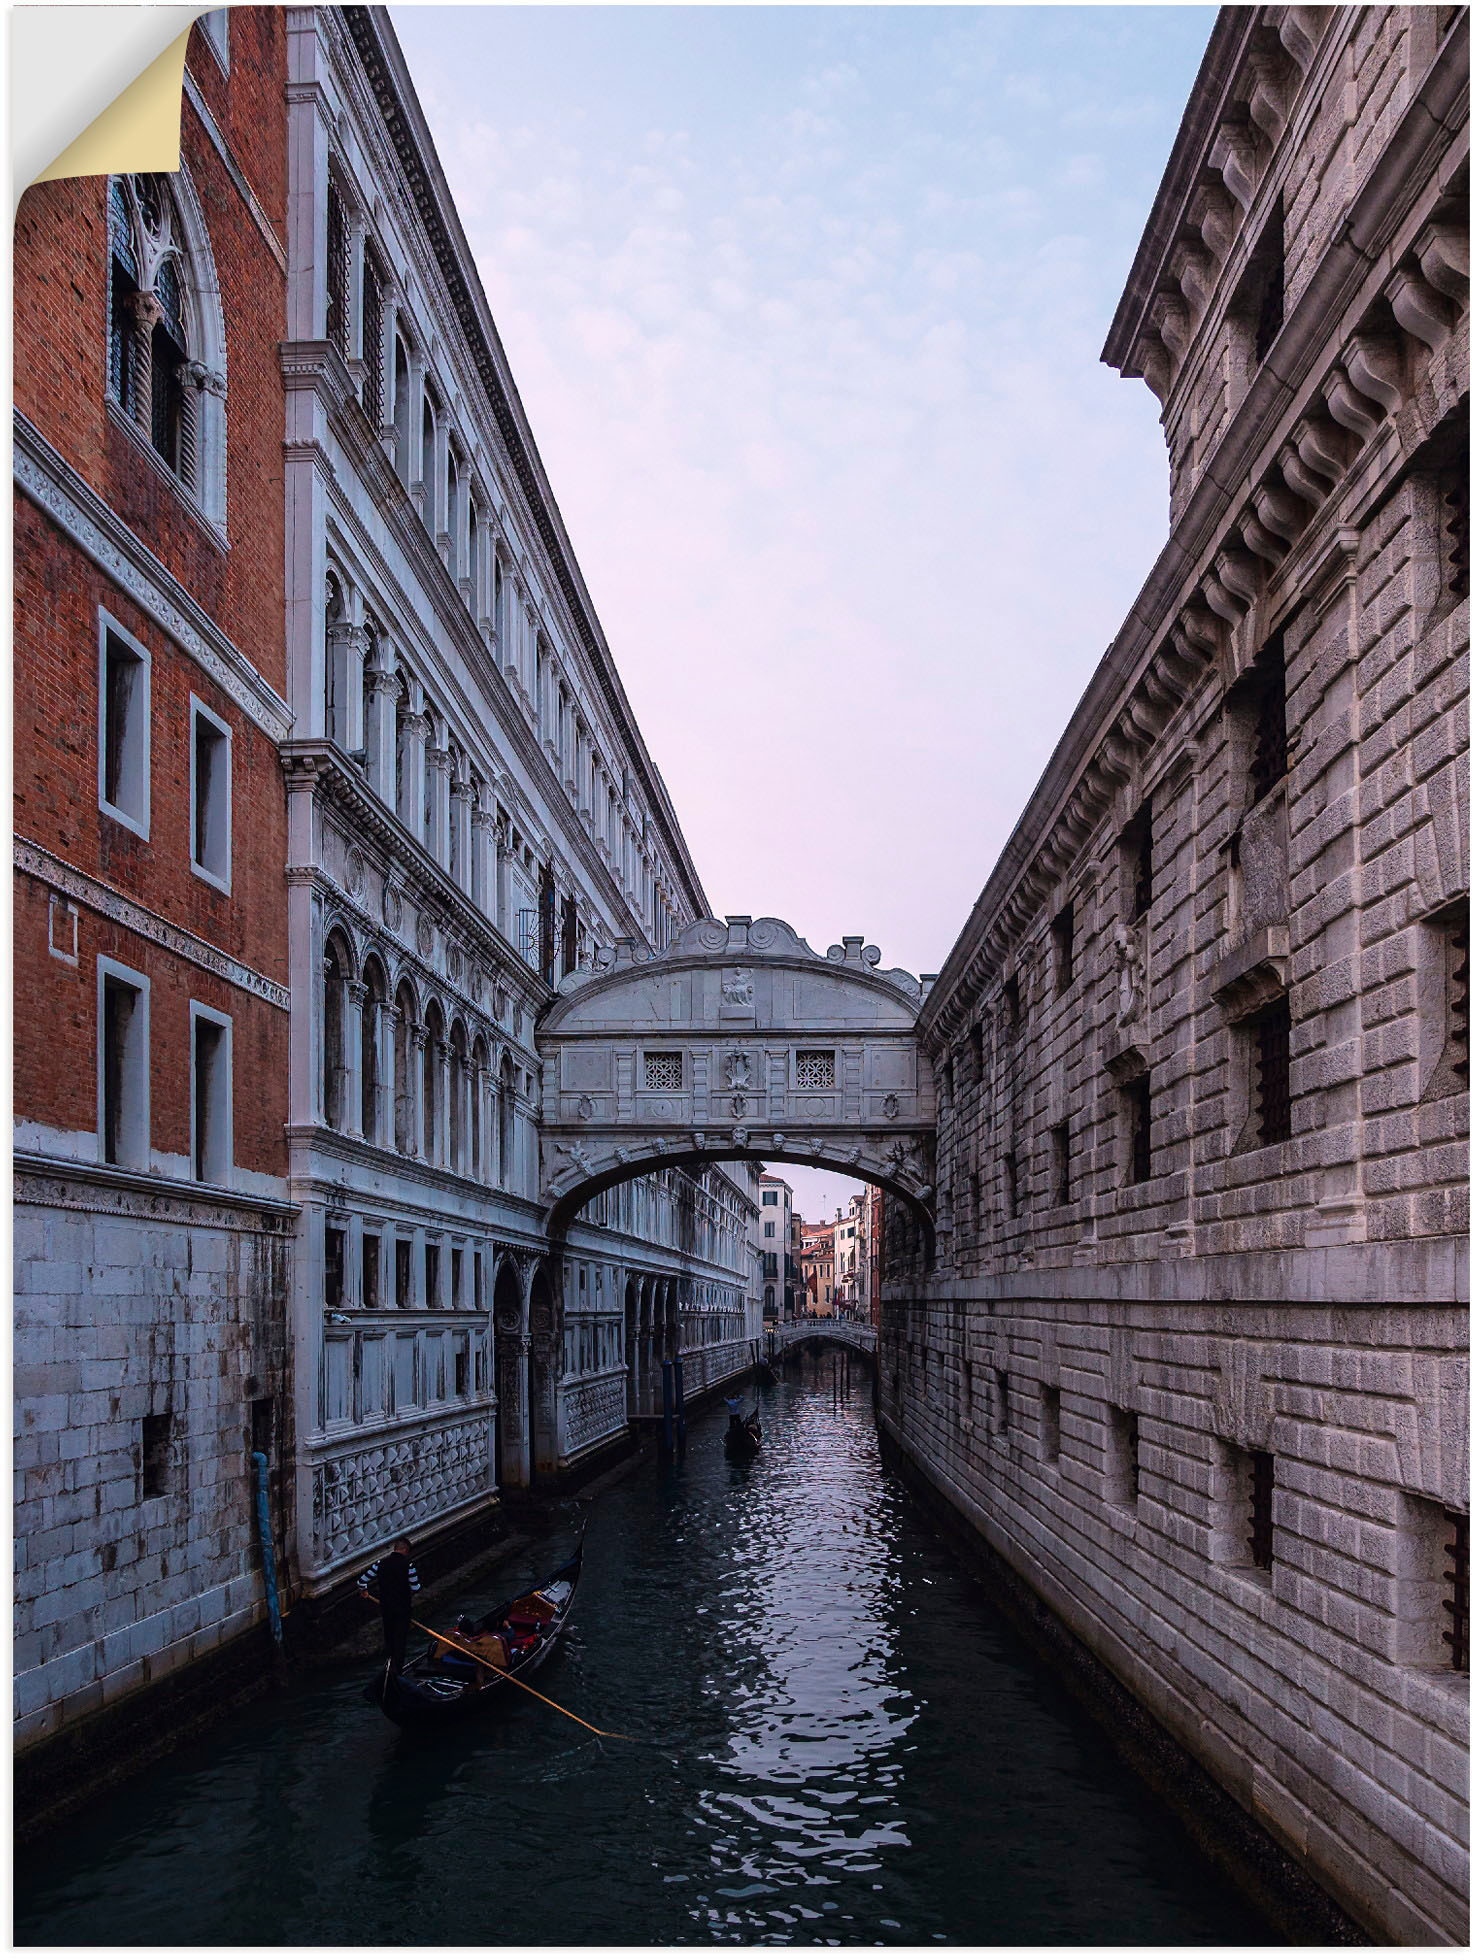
(857, 1335)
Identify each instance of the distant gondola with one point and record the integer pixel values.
(743, 1436)
(446, 1687)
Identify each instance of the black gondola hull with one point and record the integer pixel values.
(424, 1696)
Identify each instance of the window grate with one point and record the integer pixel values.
(1260, 1517)
(1269, 762)
(372, 345)
(1274, 1101)
(1454, 532)
(664, 1071)
(337, 270)
(1455, 1604)
(1062, 1179)
(1457, 1032)
(815, 1068)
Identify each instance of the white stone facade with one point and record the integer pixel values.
(473, 814)
(1193, 1354)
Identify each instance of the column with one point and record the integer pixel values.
(437, 842)
(352, 1058)
(443, 1060)
(503, 918)
(418, 1035)
(387, 430)
(460, 869)
(416, 737)
(414, 425)
(380, 733)
(346, 648)
(379, 1120)
(483, 860)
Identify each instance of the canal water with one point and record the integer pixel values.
(838, 1742)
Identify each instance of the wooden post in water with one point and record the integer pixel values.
(667, 1408)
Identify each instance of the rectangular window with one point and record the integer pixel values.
(262, 1425)
(213, 1117)
(1062, 930)
(1273, 1102)
(664, 1071)
(1049, 1412)
(1062, 1184)
(1454, 1601)
(1012, 1004)
(462, 1366)
(431, 1275)
(403, 1273)
(977, 1043)
(1004, 1403)
(333, 1263)
(815, 1068)
(1260, 1508)
(1137, 863)
(122, 1065)
(1124, 1456)
(769, 1230)
(155, 1454)
(1268, 706)
(457, 1276)
(769, 1197)
(372, 1262)
(209, 797)
(1136, 1099)
(1011, 1192)
(123, 734)
(479, 1283)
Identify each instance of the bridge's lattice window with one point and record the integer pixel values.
(664, 1071)
(815, 1068)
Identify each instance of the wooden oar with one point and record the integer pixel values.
(609, 1735)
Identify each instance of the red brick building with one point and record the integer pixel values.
(149, 926)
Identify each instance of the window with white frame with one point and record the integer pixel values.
(209, 794)
(122, 1064)
(215, 28)
(211, 1102)
(123, 762)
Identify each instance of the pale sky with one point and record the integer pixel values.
(805, 306)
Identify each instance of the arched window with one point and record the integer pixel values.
(165, 353)
(507, 1114)
(336, 968)
(375, 982)
(459, 1084)
(479, 1068)
(403, 409)
(427, 465)
(434, 1039)
(472, 549)
(405, 1018)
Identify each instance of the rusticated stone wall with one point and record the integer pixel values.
(1192, 1354)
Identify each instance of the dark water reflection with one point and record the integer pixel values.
(840, 1744)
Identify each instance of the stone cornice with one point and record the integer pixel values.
(113, 1188)
(100, 534)
(378, 50)
(37, 862)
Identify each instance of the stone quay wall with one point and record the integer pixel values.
(1192, 1353)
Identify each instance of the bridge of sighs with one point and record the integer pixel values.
(739, 1042)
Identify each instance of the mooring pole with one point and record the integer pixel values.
(679, 1405)
(667, 1408)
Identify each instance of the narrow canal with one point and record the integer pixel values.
(840, 1743)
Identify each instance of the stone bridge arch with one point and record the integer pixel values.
(740, 1042)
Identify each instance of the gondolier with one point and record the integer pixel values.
(393, 1582)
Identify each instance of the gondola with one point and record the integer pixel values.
(743, 1437)
(444, 1687)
